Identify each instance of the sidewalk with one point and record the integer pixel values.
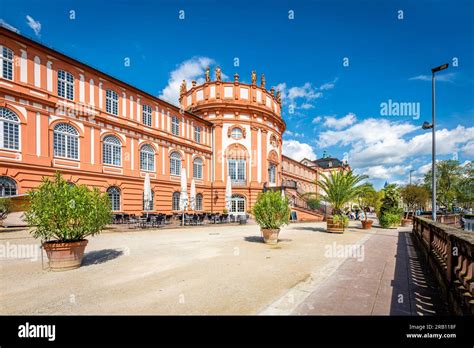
(391, 280)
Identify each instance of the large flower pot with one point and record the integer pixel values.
(406, 222)
(334, 227)
(65, 256)
(367, 224)
(270, 236)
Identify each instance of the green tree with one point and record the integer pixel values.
(448, 174)
(390, 212)
(465, 187)
(414, 196)
(370, 198)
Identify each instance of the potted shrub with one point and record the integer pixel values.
(413, 196)
(271, 211)
(62, 216)
(390, 213)
(368, 198)
(340, 188)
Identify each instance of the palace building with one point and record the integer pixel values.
(58, 114)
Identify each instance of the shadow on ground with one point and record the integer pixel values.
(253, 239)
(100, 256)
(312, 229)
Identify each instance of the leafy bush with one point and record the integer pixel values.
(390, 220)
(5, 205)
(63, 212)
(271, 211)
(341, 219)
(313, 203)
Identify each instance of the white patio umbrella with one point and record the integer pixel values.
(192, 195)
(147, 194)
(183, 197)
(228, 194)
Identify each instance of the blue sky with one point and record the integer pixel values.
(328, 105)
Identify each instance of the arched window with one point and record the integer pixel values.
(7, 63)
(114, 196)
(175, 125)
(175, 163)
(111, 102)
(236, 133)
(9, 129)
(112, 151)
(147, 158)
(65, 141)
(236, 170)
(175, 201)
(65, 84)
(146, 115)
(7, 186)
(199, 201)
(150, 206)
(197, 168)
(272, 173)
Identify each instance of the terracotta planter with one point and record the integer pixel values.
(367, 224)
(270, 236)
(65, 256)
(334, 227)
(406, 222)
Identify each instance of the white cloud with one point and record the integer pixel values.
(294, 134)
(301, 97)
(297, 150)
(385, 172)
(339, 123)
(35, 25)
(8, 26)
(317, 119)
(449, 77)
(328, 85)
(376, 142)
(191, 69)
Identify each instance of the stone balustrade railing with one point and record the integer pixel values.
(449, 253)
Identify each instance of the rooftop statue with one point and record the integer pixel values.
(262, 81)
(218, 74)
(208, 74)
(182, 88)
(254, 77)
(279, 97)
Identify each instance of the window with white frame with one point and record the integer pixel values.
(65, 141)
(272, 173)
(175, 164)
(147, 158)
(237, 170)
(175, 125)
(236, 133)
(146, 115)
(7, 63)
(114, 196)
(111, 102)
(149, 206)
(112, 151)
(9, 129)
(7, 186)
(197, 134)
(175, 201)
(65, 85)
(197, 168)
(237, 205)
(199, 201)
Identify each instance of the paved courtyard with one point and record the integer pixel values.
(223, 270)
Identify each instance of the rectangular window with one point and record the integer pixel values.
(237, 170)
(7, 63)
(10, 135)
(111, 102)
(175, 125)
(65, 85)
(272, 174)
(146, 115)
(197, 134)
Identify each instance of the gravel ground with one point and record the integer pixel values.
(205, 270)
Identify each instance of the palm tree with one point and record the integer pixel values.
(341, 187)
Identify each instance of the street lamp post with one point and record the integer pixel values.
(426, 125)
